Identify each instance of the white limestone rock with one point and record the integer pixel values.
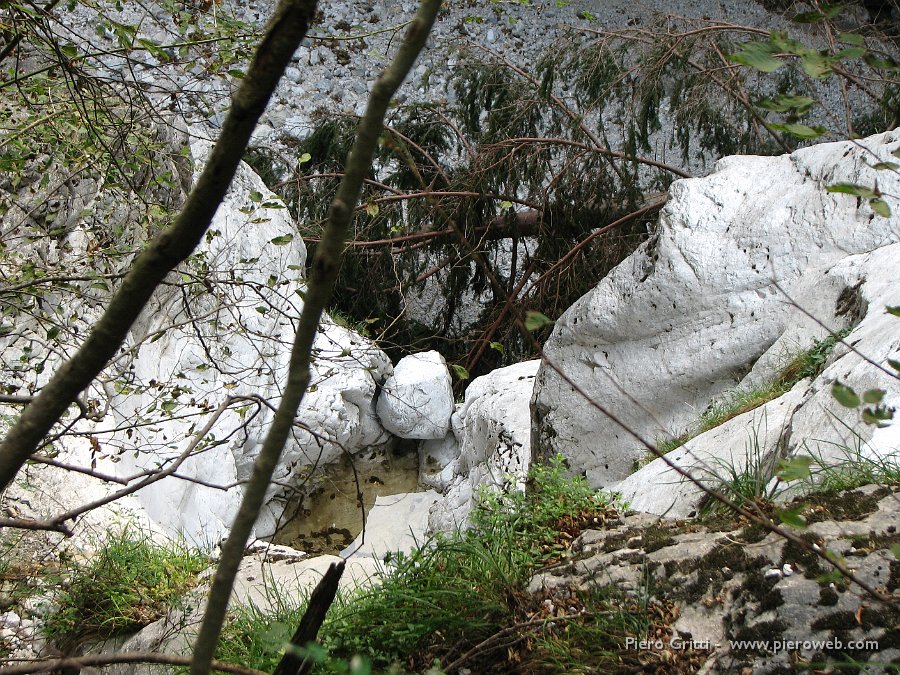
(492, 429)
(261, 583)
(417, 400)
(437, 461)
(746, 444)
(395, 523)
(686, 317)
(232, 341)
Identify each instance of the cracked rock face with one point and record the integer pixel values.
(738, 595)
(489, 446)
(705, 306)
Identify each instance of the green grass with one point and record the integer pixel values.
(748, 485)
(456, 591)
(855, 469)
(128, 584)
(807, 364)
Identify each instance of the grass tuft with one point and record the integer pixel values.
(128, 584)
(807, 364)
(453, 593)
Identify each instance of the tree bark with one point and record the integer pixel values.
(323, 273)
(319, 602)
(283, 35)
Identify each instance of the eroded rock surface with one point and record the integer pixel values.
(490, 444)
(735, 595)
(416, 401)
(707, 302)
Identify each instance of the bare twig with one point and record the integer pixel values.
(77, 662)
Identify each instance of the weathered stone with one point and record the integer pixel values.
(724, 587)
(395, 523)
(686, 317)
(417, 400)
(493, 432)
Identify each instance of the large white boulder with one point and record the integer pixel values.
(492, 435)
(807, 420)
(417, 400)
(227, 340)
(686, 317)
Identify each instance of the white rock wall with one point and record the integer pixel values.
(492, 439)
(231, 338)
(686, 317)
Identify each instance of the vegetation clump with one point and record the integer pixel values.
(807, 364)
(461, 599)
(128, 584)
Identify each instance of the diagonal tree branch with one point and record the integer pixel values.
(283, 35)
(323, 273)
(77, 662)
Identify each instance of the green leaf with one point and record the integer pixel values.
(799, 130)
(52, 332)
(829, 577)
(852, 39)
(807, 17)
(887, 64)
(882, 166)
(262, 309)
(795, 468)
(535, 320)
(792, 518)
(372, 209)
(282, 240)
(879, 206)
(834, 556)
(894, 364)
(815, 64)
(821, 13)
(256, 197)
(851, 189)
(879, 416)
(506, 205)
(169, 405)
(460, 372)
(758, 55)
(873, 396)
(237, 73)
(895, 310)
(895, 549)
(496, 346)
(304, 158)
(844, 395)
(851, 53)
(780, 104)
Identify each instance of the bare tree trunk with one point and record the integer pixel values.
(319, 602)
(283, 35)
(323, 273)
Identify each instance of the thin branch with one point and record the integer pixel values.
(78, 662)
(154, 476)
(30, 524)
(62, 278)
(490, 643)
(599, 150)
(40, 459)
(322, 276)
